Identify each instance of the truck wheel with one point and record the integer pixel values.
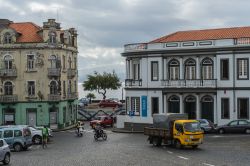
(178, 144)
(194, 146)
(156, 141)
(17, 147)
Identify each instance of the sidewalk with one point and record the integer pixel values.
(66, 128)
(122, 130)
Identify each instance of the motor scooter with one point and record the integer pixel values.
(80, 133)
(100, 134)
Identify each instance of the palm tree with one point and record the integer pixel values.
(90, 96)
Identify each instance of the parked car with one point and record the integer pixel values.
(17, 137)
(83, 102)
(109, 103)
(103, 120)
(41, 127)
(4, 152)
(235, 126)
(206, 125)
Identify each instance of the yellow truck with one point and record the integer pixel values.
(174, 129)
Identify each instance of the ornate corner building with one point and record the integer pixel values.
(204, 73)
(38, 74)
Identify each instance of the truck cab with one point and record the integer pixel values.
(187, 133)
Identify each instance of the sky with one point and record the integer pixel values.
(105, 26)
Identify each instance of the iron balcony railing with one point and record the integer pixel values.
(71, 73)
(54, 97)
(54, 71)
(8, 73)
(132, 82)
(135, 47)
(190, 83)
(8, 98)
(72, 95)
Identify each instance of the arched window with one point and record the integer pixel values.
(8, 62)
(174, 104)
(52, 37)
(207, 69)
(53, 61)
(190, 69)
(53, 87)
(7, 38)
(8, 88)
(207, 98)
(174, 69)
(190, 99)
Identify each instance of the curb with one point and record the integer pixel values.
(64, 129)
(126, 131)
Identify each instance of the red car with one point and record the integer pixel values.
(109, 103)
(103, 120)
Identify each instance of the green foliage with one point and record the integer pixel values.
(90, 96)
(102, 82)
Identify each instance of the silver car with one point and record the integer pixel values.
(4, 152)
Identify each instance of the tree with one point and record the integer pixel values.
(90, 96)
(102, 82)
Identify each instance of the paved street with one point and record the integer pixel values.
(133, 149)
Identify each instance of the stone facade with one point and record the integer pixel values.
(38, 73)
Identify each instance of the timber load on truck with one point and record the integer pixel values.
(174, 129)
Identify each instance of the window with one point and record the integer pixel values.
(225, 109)
(1, 143)
(31, 88)
(53, 61)
(154, 71)
(136, 69)
(243, 122)
(135, 105)
(8, 133)
(17, 133)
(224, 68)
(8, 88)
(174, 70)
(233, 123)
(242, 68)
(207, 69)
(7, 38)
(242, 108)
(127, 105)
(53, 87)
(52, 37)
(30, 62)
(64, 88)
(1, 134)
(69, 87)
(190, 69)
(64, 61)
(8, 62)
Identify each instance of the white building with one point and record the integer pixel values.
(204, 73)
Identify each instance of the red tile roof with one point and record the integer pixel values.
(28, 31)
(207, 34)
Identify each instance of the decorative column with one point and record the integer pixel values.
(165, 72)
(130, 69)
(181, 104)
(198, 114)
(216, 120)
(198, 68)
(181, 69)
(165, 103)
(215, 68)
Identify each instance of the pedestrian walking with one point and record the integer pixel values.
(45, 133)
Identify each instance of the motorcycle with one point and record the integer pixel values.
(80, 133)
(100, 134)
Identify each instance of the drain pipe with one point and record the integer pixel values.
(234, 102)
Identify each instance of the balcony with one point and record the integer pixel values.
(72, 96)
(8, 98)
(135, 47)
(132, 82)
(71, 73)
(54, 72)
(189, 83)
(8, 73)
(54, 97)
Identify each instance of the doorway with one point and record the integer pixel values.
(31, 114)
(207, 108)
(155, 105)
(190, 107)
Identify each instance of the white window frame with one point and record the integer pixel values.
(242, 68)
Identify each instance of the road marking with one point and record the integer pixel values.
(170, 152)
(208, 164)
(183, 157)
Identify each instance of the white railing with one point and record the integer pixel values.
(190, 83)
